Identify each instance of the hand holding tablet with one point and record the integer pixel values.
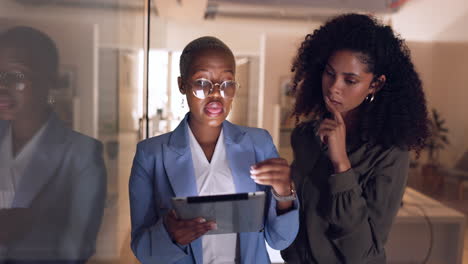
(232, 213)
(185, 231)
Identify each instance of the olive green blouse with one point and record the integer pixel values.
(345, 217)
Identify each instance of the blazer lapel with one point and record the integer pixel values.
(241, 155)
(179, 170)
(47, 158)
(178, 162)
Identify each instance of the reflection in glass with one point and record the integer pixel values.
(97, 103)
(166, 105)
(52, 179)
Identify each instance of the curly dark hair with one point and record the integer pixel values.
(398, 115)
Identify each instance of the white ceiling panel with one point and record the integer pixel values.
(297, 9)
(371, 5)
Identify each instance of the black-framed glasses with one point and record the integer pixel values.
(202, 88)
(15, 81)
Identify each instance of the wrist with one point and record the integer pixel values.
(283, 190)
(342, 166)
(285, 196)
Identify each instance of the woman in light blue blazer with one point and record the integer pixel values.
(169, 165)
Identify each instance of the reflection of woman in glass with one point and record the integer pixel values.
(207, 155)
(364, 110)
(52, 179)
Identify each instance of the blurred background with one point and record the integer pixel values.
(118, 84)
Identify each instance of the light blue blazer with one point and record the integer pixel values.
(163, 169)
(64, 187)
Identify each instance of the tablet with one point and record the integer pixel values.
(233, 213)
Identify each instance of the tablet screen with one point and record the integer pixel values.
(233, 213)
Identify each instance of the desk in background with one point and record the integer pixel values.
(410, 237)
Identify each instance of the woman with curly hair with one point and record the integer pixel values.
(362, 110)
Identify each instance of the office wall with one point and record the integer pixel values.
(449, 95)
(280, 50)
(442, 67)
(437, 36)
(431, 20)
(242, 36)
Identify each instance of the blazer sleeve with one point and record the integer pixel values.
(150, 241)
(87, 204)
(361, 216)
(280, 230)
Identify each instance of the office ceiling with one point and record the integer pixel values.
(296, 9)
(365, 4)
(317, 10)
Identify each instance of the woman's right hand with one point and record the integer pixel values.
(333, 133)
(185, 231)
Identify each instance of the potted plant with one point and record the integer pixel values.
(434, 144)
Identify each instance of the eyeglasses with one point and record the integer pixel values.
(202, 88)
(15, 81)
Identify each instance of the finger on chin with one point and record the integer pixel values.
(336, 114)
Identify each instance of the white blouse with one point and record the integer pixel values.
(214, 178)
(12, 168)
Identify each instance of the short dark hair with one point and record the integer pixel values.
(197, 45)
(37, 46)
(398, 115)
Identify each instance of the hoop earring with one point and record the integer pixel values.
(371, 98)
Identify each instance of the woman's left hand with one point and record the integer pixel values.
(333, 133)
(274, 172)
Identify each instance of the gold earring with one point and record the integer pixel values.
(50, 99)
